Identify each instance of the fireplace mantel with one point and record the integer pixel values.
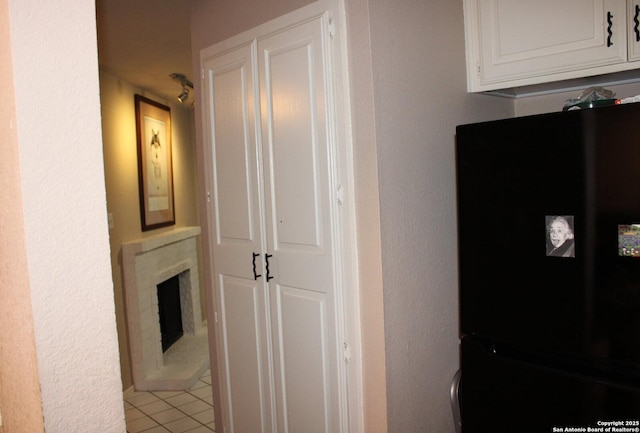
(146, 263)
(159, 240)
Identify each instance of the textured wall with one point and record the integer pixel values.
(19, 385)
(213, 22)
(419, 87)
(64, 209)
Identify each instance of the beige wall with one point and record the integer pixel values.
(213, 22)
(419, 94)
(121, 174)
(58, 227)
(20, 403)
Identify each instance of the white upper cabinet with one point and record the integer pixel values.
(513, 43)
(634, 29)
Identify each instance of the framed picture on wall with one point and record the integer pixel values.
(155, 172)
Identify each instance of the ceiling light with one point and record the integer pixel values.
(182, 79)
(184, 95)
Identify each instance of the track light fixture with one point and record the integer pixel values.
(184, 95)
(182, 79)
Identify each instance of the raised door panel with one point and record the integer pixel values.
(519, 39)
(633, 20)
(297, 149)
(247, 381)
(232, 134)
(241, 299)
(305, 388)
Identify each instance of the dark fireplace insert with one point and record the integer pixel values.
(170, 311)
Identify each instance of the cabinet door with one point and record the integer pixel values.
(296, 138)
(521, 40)
(230, 124)
(633, 23)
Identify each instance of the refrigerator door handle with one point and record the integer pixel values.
(455, 401)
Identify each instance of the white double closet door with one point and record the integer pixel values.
(275, 201)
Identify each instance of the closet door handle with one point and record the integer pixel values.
(255, 274)
(269, 276)
(636, 27)
(609, 28)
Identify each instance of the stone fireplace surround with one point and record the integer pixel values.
(146, 263)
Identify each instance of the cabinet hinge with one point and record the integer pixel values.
(347, 353)
(208, 197)
(340, 194)
(478, 70)
(202, 74)
(215, 316)
(332, 28)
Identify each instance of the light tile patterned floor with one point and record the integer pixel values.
(171, 411)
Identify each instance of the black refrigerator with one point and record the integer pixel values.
(549, 272)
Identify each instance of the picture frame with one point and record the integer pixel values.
(155, 169)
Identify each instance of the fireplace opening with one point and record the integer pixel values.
(169, 311)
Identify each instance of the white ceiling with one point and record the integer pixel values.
(143, 41)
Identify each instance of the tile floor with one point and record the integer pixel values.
(171, 411)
